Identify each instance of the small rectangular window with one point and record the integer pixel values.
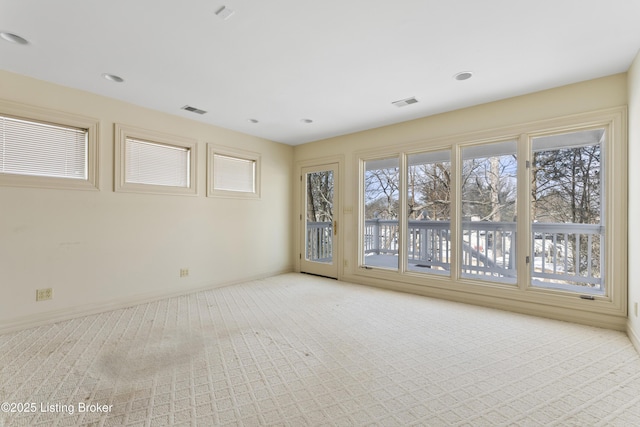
(156, 164)
(233, 173)
(153, 162)
(42, 148)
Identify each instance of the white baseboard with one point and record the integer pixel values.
(601, 320)
(25, 322)
(633, 337)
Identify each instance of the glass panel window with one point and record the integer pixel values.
(156, 164)
(42, 149)
(319, 217)
(567, 211)
(234, 174)
(381, 212)
(489, 178)
(429, 212)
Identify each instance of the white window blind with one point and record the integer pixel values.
(41, 149)
(234, 174)
(156, 164)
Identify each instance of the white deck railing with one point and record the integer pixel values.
(568, 253)
(563, 254)
(319, 241)
(488, 249)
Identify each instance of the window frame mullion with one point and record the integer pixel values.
(524, 258)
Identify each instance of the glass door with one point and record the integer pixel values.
(319, 220)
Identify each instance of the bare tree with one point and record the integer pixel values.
(382, 193)
(489, 188)
(566, 188)
(567, 185)
(430, 191)
(320, 196)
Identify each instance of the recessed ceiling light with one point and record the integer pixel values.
(13, 38)
(112, 77)
(463, 75)
(306, 120)
(253, 121)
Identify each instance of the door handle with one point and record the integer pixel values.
(335, 228)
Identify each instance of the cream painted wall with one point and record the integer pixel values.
(100, 249)
(572, 99)
(599, 94)
(103, 249)
(633, 327)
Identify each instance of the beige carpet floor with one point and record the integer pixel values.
(297, 350)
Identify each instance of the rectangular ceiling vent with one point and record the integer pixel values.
(404, 102)
(224, 13)
(194, 109)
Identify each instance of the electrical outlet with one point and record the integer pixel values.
(44, 294)
(184, 272)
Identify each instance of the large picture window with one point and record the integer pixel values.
(429, 212)
(537, 215)
(568, 231)
(488, 198)
(381, 212)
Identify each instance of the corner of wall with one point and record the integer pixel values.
(633, 87)
(633, 336)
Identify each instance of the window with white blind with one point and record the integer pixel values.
(152, 162)
(233, 173)
(40, 148)
(156, 164)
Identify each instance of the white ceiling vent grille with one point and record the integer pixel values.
(224, 13)
(405, 102)
(194, 109)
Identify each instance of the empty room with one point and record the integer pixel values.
(327, 213)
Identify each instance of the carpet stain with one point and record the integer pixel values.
(135, 360)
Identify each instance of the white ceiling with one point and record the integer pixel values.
(340, 63)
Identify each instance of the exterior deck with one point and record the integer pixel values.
(565, 256)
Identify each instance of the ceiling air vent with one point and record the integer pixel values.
(224, 13)
(194, 109)
(404, 102)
